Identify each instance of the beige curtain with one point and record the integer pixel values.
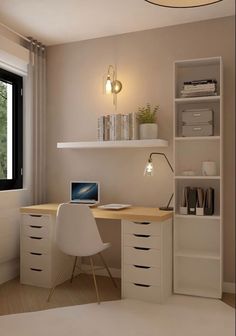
(37, 75)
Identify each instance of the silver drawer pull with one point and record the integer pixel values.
(142, 223)
(141, 285)
(35, 269)
(35, 253)
(38, 238)
(197, 128)
(197, 114)
(36, 226)
(142, 248)
(144, 267)
(36, 215)
(141, 235)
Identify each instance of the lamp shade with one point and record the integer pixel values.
(182, 3)
(148, 170)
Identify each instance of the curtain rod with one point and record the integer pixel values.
(21, 36)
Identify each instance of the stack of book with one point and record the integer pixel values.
(199, 88)
(118, 127)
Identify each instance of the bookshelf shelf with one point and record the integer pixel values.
(204, 138)
(113, 144)
(194, 177)
(197, 99)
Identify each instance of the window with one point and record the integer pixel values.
(11, 131)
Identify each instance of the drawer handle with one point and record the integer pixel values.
(35, 269)
(38, 238)
(138, 266)
(197, 128)
(197, 114)
(142, 248)
(36, 226)
(141, 235)
(141, 285)
(142, 223)
(36, 215)
(35, 253)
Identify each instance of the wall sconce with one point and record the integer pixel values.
(113, 86)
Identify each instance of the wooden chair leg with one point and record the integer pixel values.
(73, 271)
(94, 280)
(107, 268)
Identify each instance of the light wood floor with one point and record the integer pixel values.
(17, 298)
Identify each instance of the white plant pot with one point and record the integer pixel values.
(148, 131)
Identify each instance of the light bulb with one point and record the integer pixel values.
(148, 171)
(108, 85)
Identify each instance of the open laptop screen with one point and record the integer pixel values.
(84, 192)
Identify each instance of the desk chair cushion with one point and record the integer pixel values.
(76, 231)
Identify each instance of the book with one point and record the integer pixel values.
(101, 128)
(124, 127)
(133, 126)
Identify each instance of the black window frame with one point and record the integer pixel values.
(17, 130)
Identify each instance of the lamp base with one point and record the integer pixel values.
(166, 208)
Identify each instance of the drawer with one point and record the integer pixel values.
(35, 260)
(35, 277)
(197, 130)
(141, 257)
(151, 228)
(196, 117)
(36, 220)
(143, 274)
(141, 292)
(35, 230)
(142, 240)
(35, 244)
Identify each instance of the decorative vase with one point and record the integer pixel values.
(148, 131)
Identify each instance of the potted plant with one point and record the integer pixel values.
(146, 116)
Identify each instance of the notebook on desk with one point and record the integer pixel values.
(85, 192)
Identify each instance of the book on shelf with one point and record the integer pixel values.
(115, 127)
(199, 88)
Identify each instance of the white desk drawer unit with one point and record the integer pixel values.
(36, 250)
(147, 260)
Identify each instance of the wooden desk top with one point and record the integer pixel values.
(133, 213)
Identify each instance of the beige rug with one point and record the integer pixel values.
(180, 316)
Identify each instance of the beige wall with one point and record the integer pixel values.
(144, 61)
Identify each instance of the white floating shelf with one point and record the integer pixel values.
(197, 254)
(195, 177)
(197, 217)
(114, 144)
(204, 138)
(197, 99)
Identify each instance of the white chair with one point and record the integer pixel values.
(77, 235)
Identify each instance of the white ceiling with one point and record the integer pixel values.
(62, 21)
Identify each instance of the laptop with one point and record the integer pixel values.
(85, 192)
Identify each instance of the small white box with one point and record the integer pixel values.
(199, 211)
(183, 210)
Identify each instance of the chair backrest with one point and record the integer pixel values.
(76, 230)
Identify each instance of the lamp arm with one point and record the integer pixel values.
(156, 153)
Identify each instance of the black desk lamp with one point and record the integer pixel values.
(148, 171)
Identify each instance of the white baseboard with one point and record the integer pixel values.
(116, 272)
(229, 287)
(9, 270)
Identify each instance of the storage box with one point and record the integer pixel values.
(196, 117)
(197, 130)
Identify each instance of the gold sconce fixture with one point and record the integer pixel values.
(113, 85)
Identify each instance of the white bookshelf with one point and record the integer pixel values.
(113, 144)
(198, 240)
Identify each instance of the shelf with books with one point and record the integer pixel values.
(113, 144)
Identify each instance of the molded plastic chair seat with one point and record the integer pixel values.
(77, 235)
